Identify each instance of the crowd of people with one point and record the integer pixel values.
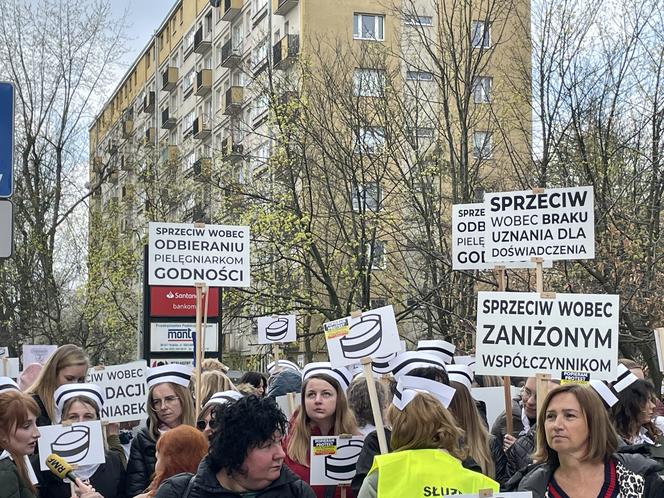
(596, 440)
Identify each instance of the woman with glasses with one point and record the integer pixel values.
(170, 404)
(203, 422)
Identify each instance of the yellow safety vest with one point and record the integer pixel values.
(426, 473)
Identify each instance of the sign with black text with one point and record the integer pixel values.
(170, 337)
(125, 391)
(186, 254)
(522, 334)
(557, 224)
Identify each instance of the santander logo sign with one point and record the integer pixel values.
(180, 301)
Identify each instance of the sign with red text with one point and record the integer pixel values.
(180, 301)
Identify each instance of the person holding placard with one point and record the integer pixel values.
(76, 403)
(68, 365)
(324, 412)
(170, 404)
(18, 439)
(425, 441)
(576, 451)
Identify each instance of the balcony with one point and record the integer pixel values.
(127, 128)
(230, 9)
(283, 7)
(230, 150)
(203, 82)
(168, 122)
(231, 54)
(169, 79)
(201, 128)
(285, 51)
(150, 136)
(202, 41)
(112, 147)
(149, 101)
(169, 153)
(233, 100)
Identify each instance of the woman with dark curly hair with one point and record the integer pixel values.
(245, 457)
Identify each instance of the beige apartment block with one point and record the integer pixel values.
(196, 101)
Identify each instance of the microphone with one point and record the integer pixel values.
(60, 467)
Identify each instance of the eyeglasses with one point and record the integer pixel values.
(167, 401)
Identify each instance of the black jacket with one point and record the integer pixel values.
(108, 480)
(140, 465)
(288, 485)
(519, 454)
(499, 460)
(537, 477)
(284, 382)
(42, 418)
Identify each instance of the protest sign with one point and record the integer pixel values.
(288, 403)
(9, 367)
(522, 334)
(4, 352)
(277, 329)
(371, 334)
(186, 254)
(334, 458)
(79, 444)
(556, 224)
(37, 353)
(659, 342)
(169, 337)
(468, 240)
(124, 389)
(494, 400)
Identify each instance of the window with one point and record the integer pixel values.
(376, 254)
(368, 82)
(482, 89)
(480, 34)
(188, 123)
(261, 51)
(366, 197)
(482, 146)
(370, 140)
(415, 20)
(189, 41)
(419, 76)
(368, 27)
(188, 84)
(378, 302)
(261, 104)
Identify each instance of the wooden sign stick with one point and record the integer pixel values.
(375, 407)
(542, 389)
(539, 275)
(507, 383)
(197, 353)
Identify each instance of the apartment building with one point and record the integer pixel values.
(196, 97)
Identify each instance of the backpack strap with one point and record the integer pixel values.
(190, 486)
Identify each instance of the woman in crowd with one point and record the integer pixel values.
(179, 450)
(67, 365)
(170, 404)
(203, 423)
(426, 441)
(256, 380)
(633, 415)
(83, 403)
(214, 381)
(576, 448)
(324, 412)
(358, 400)
(18, 439)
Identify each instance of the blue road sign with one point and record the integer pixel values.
(6, 139)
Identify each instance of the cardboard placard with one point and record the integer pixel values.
(468, 241)
(522, 334)
(125, 391)
(373, 334)
(333, 459)
(557, 224)
(81, 443)
(187, 253)
(277, 329)
(37, 353)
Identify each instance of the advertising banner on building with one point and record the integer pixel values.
(171, 337)
(180, 301)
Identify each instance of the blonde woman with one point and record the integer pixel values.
(324, 412)
(214, 381)
(170, 404)
(67, 365)
(425, 441)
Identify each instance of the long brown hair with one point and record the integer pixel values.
(476, 439)
(300, 432)
(188, 410)
(15, 409)
(179, 450)
(47, 382)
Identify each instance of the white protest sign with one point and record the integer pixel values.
(496, 494)
(124, 389)
(659, 340)
(277, 329)
(558, 224)
(4, 352)
(522, 334)
(9, 367)
(37, 353)
(494, 400)
(334, 459)
(168, 337)
(468, 240)
(289, 406)
(185, 254)
(374, 334)
(81, 443)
